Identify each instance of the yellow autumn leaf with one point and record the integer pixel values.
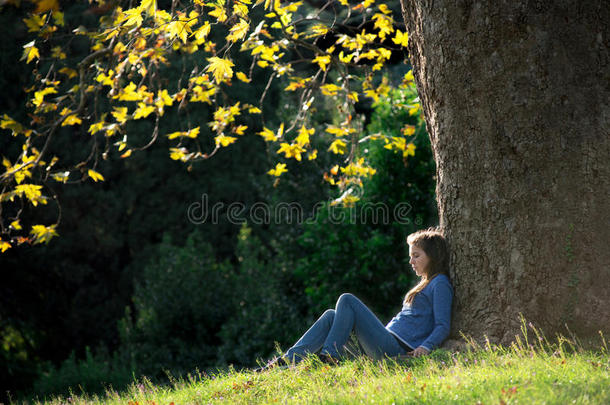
(34, 23)
(128, 93)
(95, 176)
(384, 9)
(330, 89)
(71, 119)
(126, 154)
(164, 97)
(149, 6)
(384, 24)
(345, 59)
(267, 135)
(303, 138)
(322, 61)
(30, 52)
(218, 11)
(401, 39)
(68, 72)
(15, 225)
(143, 111)
(4, 246)
(238, 31)
(202, 33)
(96, 127)
(120, 114)
(410, 150)
(105, 79)
(193, 133)
(408, 130)
(254, 110)
(39, 95)
(241, 9)
(242, 76)
(338, 146)
(133, 16)
(224, 140)
(240, 129)
(278, 170)
(43, 234)
(180, 29)
(291, 150)
(220, 68)
(177, 153)
(31, 192)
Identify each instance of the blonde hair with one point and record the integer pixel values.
(434, 245)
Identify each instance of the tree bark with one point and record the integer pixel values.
(516, 100)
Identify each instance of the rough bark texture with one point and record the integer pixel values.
(516, 99)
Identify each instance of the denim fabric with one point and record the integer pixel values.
(331, 331)
(427, 320)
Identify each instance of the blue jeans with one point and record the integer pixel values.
(331, 331)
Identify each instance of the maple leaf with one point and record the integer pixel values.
(42, 234)
(220, 68)
(149, 6)
(4, 245)
(71, 120)
(322, 61)
(143, 111)
(338, 146)
(242, 76)
(238, 31)
(303, 138)
(278, 170)
(401, 39)
(202, 33)
(30, 52)
(95, 176)
(133, 17)
(34, 23)
(120, 113)
(219, 11)
(224, 140)
(39, 95)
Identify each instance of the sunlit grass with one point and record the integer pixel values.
(531, 371)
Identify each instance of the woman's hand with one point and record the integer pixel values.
(420, 351)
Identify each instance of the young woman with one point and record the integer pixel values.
(422, 324)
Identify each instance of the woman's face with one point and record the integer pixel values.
(418, 260)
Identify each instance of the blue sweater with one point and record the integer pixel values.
(426, 321)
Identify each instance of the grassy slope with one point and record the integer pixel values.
(523, 374)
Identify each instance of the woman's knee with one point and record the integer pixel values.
(328, 316)
(329, 313)
(346, 298)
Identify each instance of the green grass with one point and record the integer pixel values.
(525, 373)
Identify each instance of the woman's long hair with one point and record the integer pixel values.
(434, 245)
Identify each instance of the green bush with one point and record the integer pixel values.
(262, 313)
(181, 300)
(93, 374)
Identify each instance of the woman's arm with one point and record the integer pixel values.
(442, 297)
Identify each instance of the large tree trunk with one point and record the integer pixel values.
(516, 100)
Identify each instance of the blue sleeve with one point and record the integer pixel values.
(442, 297)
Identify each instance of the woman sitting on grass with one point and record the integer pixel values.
(421, 326)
